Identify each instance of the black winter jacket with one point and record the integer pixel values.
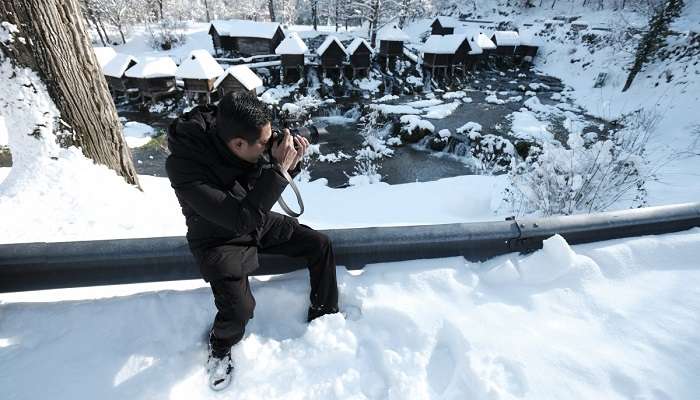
(226, 201)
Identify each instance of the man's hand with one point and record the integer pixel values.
(301, 144)
(284, 153)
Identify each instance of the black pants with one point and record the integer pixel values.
(235, 302)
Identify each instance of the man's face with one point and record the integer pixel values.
(251, 152)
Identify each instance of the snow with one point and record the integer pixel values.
(469, 127)
(137, 134)
(411, 122)
(324, 46)
(199, 65)
(442, 110)
(158, 67)
(388, 109)
(443, 44)
(506, 38)
(371, 85)
(392, 33)
(527, 126)
(442, 328)
(243, 74)
(447, 22)
(118, 65)
(352, 47)
(484, 42)
(292, 44)
(245, 28)
(444, 133)
(104, 55)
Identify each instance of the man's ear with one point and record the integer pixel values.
(238, 143)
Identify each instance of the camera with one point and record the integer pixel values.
(312, 133)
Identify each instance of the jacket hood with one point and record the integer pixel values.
(194, 136)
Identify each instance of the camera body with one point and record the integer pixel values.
(310, 132)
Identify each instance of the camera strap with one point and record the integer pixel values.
(281, 201)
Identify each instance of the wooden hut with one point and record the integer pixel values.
(154, 77)
(487, 46)
(360, 53)
(391, 40)
(115, 70)
(527, 47)
(199, 72)
(238, 79)
(443, 25)
(475, 55)
(291, 51)
(445, 52)
(332, 54)
(506, 42)
(245, 38)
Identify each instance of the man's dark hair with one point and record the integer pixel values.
(242, 116)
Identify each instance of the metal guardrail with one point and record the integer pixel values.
(34, 266)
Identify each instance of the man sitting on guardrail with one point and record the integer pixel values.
(226, 187)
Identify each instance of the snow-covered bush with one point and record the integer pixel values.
(166, 34)
(587, 175)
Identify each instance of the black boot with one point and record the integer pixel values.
(315, 312)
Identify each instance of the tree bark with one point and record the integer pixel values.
(58, 50)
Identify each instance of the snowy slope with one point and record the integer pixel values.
(610, 320)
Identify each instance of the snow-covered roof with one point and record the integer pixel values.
(242, 74)
(392, 33)
(528, 38)
(507, 38)
(199, 65)
(245, 28)
(475, 48)
(292, 44)
(352, 47)
(484, 42)
(446, 22)
(104, 55)
(443, 44)
(156, 67)
(118, 65)
(324, 46)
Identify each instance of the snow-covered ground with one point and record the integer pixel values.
(609, 320)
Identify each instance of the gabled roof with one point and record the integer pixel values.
(292, 44)
(155, 67)
(528, 38)
(506, 38)
(446, 22)
(392, 33)
(324, 46)
(443, 44)
(355, 44)
(118, 65)
(199, 65)
(484, 42)
(245, 28)
(242, 74)
(475, 49)
(104, 55)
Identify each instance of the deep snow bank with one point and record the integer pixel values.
(612, 320)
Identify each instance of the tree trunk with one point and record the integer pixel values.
(104, 31)
(654, 38)
(59, 51)
(314, 13)
(97, 27)
(271, 7)
(206, 7)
